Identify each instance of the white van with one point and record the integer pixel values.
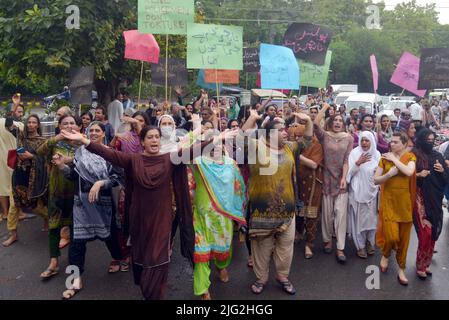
(341, 97)
(370, 101)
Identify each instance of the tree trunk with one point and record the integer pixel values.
(106, 91)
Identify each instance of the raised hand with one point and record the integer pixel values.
(301, 116)
(254, 114)
(74, 136)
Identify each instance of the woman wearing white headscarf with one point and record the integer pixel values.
(363, 162)
(169, 140)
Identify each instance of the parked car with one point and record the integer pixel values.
(342, 97)
(371, 101)
(388, 109)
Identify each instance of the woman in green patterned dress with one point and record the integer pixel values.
(60, 190)
(219, 199)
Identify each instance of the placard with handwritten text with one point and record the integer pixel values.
(212, 46)
(308, 41)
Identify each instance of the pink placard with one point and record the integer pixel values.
(374, 71)
(406, 74)
(142, 47)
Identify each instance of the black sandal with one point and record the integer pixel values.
(287, 286)
(259, 287)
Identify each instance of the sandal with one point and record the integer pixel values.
(70, 293)
(257, 287)
(47, 274)
(124, 266)
(63, 243)
(114, 266)
(287, 286)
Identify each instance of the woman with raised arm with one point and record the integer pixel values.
(155, 177)
(272, 199)
(432, 178)
(396, 175)
(309, 179)
(337, 144)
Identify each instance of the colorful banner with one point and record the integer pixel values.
(251, 60)
(434, 68)
(212, 46)
(142, 47)
(176, 75)
(165, 16)
(406, 74)
(308, 41)
(222, 76)
(313, 75)
(374, 72)
(278, 67)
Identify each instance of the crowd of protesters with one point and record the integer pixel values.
(275, 173)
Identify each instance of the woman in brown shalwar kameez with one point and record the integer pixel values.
(151, 208)
(309, 179)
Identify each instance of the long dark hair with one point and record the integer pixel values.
(143, 115)
(39, 132)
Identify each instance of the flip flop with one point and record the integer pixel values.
(47, 274)
(71, 293)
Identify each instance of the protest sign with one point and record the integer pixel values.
(201, 82)
(142, 47)
(434, 68)
(309, 42)
(176, 74)
(165, 16)
(214, 47)
(374, 72)
(278, 67)
(313, 75)
(81, 77)
(251, 60)
(406, 74)
(222, 76)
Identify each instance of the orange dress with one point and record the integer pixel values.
(397, 196)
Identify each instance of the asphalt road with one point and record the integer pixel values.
(319, 278)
